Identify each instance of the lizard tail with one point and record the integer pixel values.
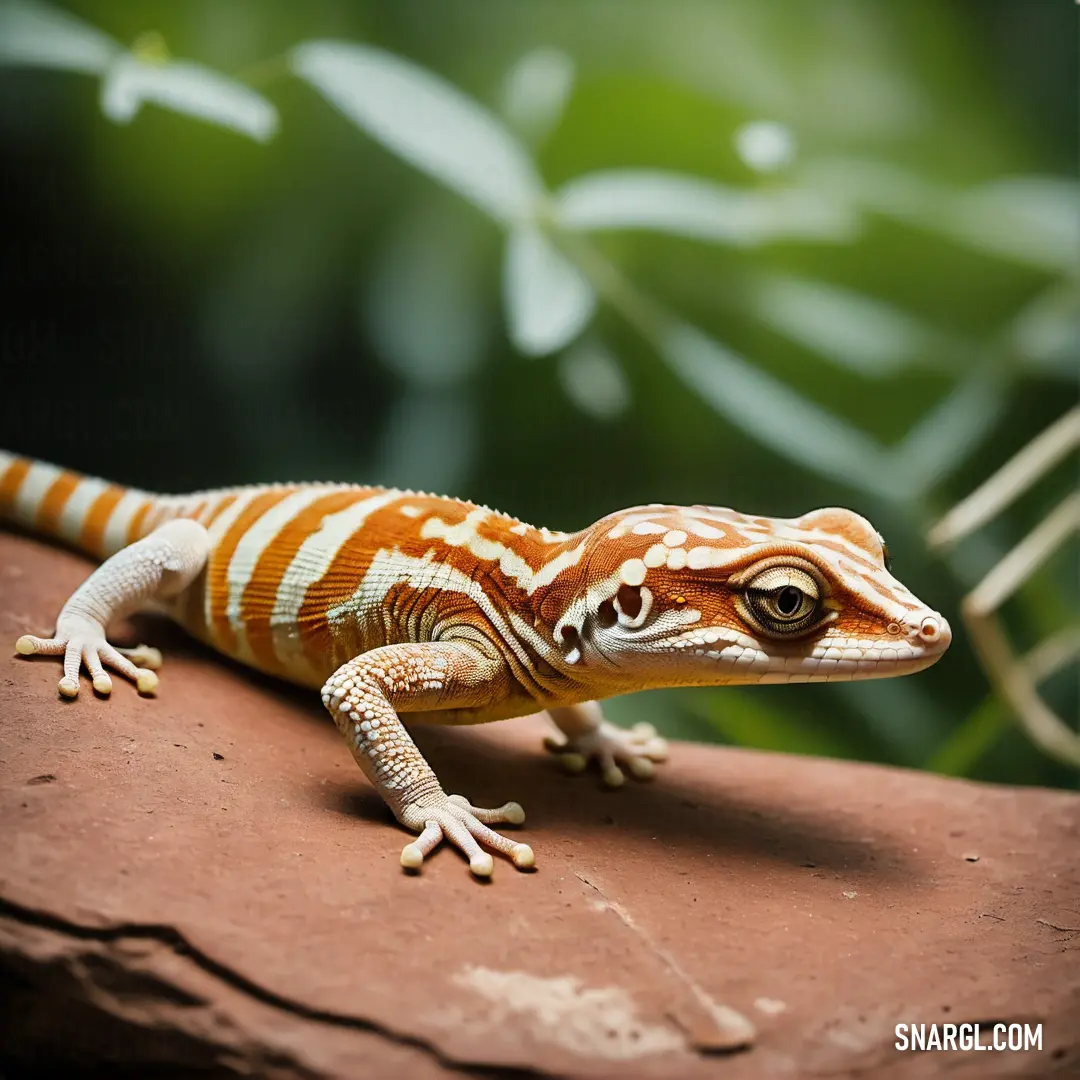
(89, 514)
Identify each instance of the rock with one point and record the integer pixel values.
(205, 881)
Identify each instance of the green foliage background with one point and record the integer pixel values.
(285, 296)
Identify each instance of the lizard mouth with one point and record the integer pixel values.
(742, 658)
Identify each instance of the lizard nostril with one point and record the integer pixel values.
(934, 630)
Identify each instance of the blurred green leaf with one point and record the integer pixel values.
(666, 202)
(1046, 333)
(947, 434)
(426, 121)
(873, 185)
(536, 90)
(187, 88)
(799, 213)
(548, 300)
(687, 206)
(774, 415)
(1032, 219)
(866, 336)
(41, 36)
(593, 380)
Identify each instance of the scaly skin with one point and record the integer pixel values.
(396, 602)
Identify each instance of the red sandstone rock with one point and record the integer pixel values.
(206, 880)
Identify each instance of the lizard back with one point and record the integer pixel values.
(301, 577)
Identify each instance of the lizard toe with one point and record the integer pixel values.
(455, 819)
(614, 749)
(144, 656)
(84, 645)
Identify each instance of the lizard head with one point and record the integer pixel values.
(703, 595)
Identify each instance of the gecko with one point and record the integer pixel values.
(398, 604)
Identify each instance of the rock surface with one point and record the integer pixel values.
(205, 881)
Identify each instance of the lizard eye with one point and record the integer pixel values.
(780, 600)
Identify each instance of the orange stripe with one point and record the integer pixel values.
(92, 534)
(137, 519)
(217, 584)
(393, 529)
(10, 483)
(192, 613)
(226, 502)
(52, 505)
(260, 594)
(865, 559)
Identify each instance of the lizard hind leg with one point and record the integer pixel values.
(154, 568)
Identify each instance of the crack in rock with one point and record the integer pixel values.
(731, 1030)
(169, 938)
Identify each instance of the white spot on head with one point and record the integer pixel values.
(648, 528)
(706, 532)
(675, 538)
(410, 511)
(699, 558)
(656, 556)
(632, 572)
(676, 559)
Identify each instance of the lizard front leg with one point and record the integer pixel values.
(364, 697)
(155, 568)
(587, 736)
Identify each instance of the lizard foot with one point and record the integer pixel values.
(81, 640)
(454, 818)
(637, 749)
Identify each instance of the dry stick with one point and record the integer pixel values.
(1014, 680)
(1010, 481)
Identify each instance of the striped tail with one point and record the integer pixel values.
(89, 514)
